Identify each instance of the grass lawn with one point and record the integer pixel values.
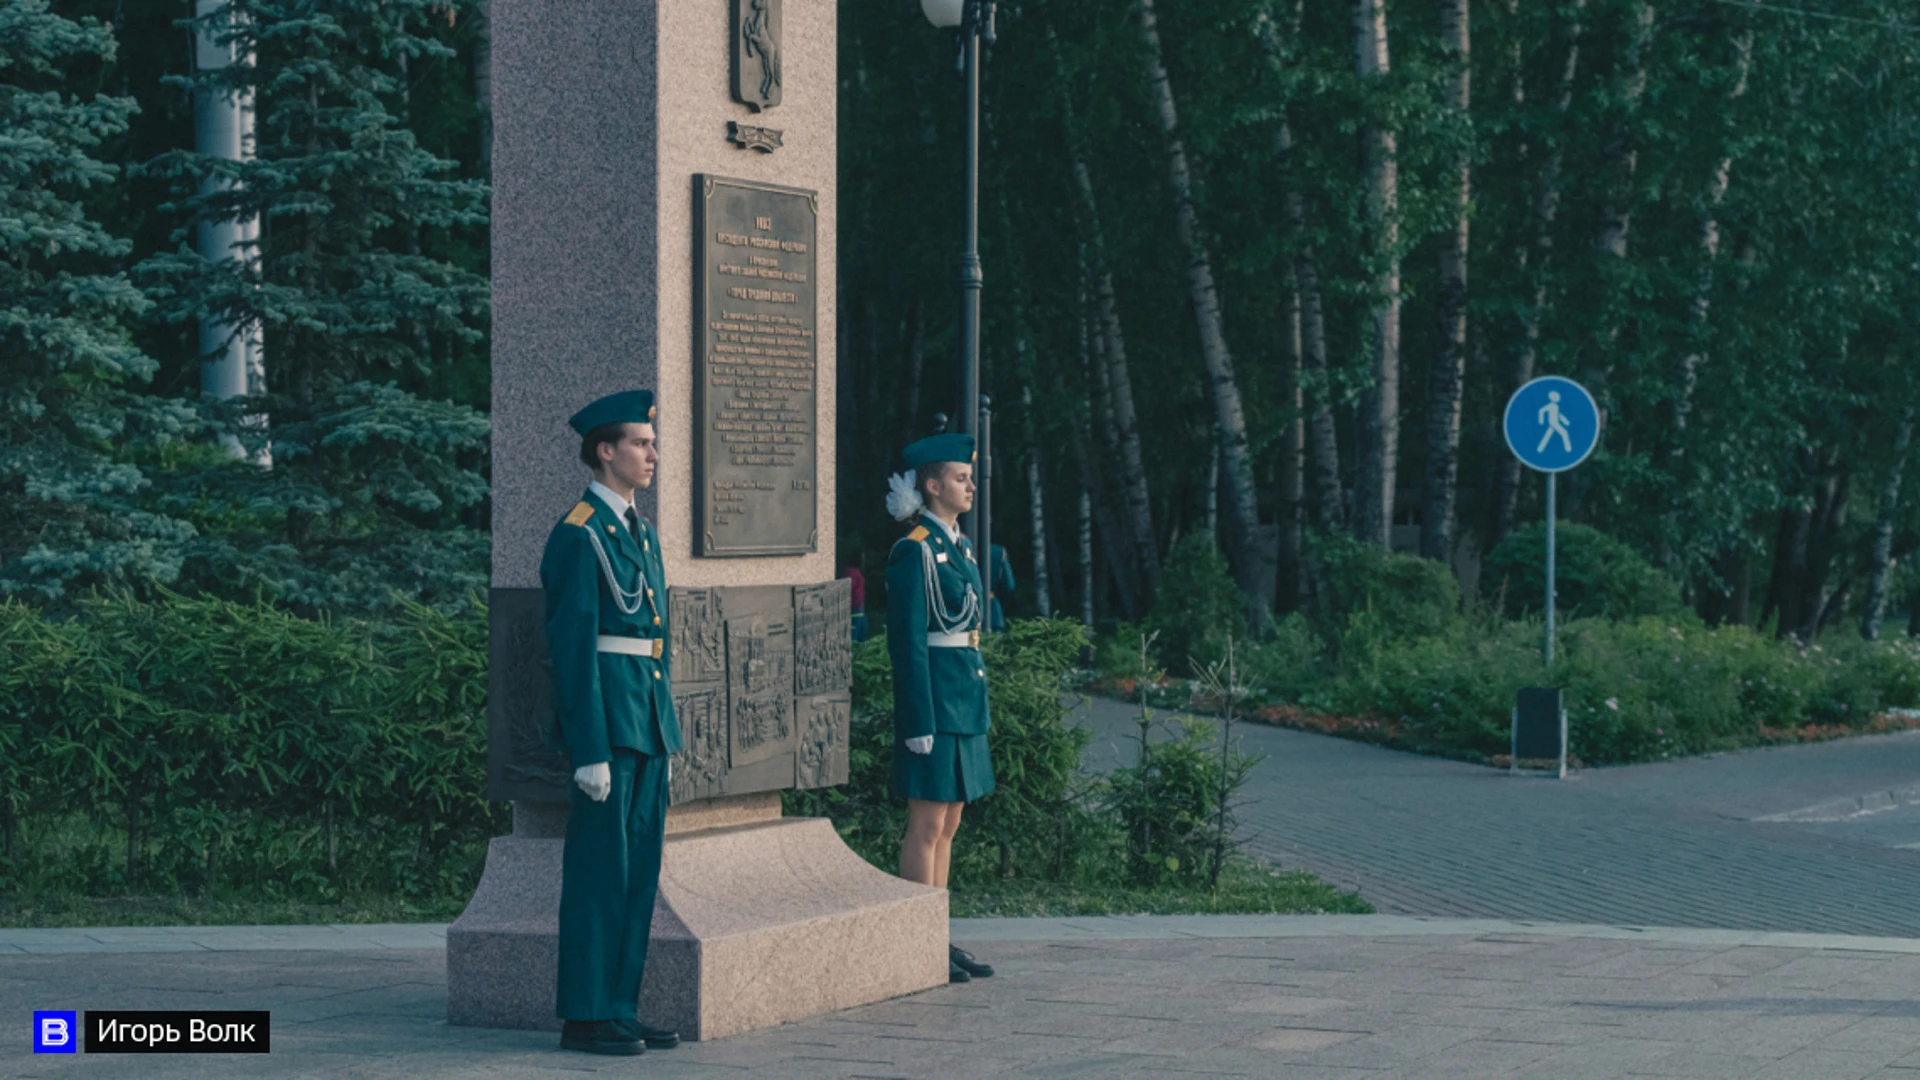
(48, 911)
(1246, 888)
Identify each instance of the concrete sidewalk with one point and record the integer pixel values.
(1303, 997)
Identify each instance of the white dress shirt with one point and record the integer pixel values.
(612, 498)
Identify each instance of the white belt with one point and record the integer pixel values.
(959, 639)
(632, 646)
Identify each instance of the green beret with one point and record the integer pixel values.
(940, 448)
(626, 407)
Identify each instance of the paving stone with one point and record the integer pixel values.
(1564, 1007)
(1665, 844)
(1814, 1064)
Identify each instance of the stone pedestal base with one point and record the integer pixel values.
(757, 924)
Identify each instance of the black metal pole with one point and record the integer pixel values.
(975, 25)
(984, 504)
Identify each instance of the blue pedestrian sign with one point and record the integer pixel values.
(1552, 424)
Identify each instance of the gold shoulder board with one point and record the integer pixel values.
(581, 512)
(918, 534)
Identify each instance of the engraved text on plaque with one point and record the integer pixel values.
(755, 379)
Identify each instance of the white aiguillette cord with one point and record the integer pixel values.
(937, 601)
(627, 602)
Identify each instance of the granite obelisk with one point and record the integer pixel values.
(663, 217)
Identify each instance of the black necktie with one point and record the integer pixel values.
(633, 523)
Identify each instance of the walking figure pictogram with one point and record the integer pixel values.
(1556, 424)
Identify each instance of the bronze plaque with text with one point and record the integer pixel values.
(755, 368)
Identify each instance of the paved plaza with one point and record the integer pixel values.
(1304, 997)
(1772, 839)
(1747, 915)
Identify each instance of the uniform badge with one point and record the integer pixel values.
(939, 556)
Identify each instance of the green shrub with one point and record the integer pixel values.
(1451, 694)
(1367, 598)
(1594, 575)
(1197, 606)
(1118, 657)
(1036, 824)
(185, 743)
(1167, 803)
(1036, 819)
(1287, 667)
(1636, 690)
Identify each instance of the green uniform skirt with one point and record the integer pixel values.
(958, 770)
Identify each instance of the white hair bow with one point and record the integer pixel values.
(903, 498)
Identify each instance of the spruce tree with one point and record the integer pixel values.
(372, 489)
(73, 432)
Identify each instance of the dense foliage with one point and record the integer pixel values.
(366, 288)
(1051, 838)
(1037, 823)
(1702, 210)
(1245, 259)
(205, 746)
(1402, 666)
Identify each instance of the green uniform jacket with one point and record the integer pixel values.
(609, 699)
(934, 690)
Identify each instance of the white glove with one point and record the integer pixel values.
(595, 780)
(922, 744)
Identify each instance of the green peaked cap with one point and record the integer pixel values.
(939, 448)
(625, 407)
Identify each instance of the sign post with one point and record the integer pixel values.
(1551, 425)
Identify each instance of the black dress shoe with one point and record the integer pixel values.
(598, 1037)
(962, 959)
(655, 1038)
(956, 973)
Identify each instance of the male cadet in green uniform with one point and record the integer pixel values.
(606, 602)
(934, 594)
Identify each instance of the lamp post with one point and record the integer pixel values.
(974, 19)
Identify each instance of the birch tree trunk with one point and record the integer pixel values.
(223, 127)
(1623, 155)
(1302, 292)
(1126, 428)
(1630, 85)
(1449, 362)
(1042, 588)
(1378, 454)
(1324, 447)
(1709, 249)
(1876, 606)
(1086, 559)
(1097, 436)
(1213, 489)
(1213, 336)
(1536, 259)
(1823, 594)
(1293, 455)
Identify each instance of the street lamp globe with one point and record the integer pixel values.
(944, 14)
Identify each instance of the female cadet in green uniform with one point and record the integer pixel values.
(934, 595)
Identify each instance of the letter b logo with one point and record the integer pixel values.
(55, 1032)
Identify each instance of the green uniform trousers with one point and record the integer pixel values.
(609, 876)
